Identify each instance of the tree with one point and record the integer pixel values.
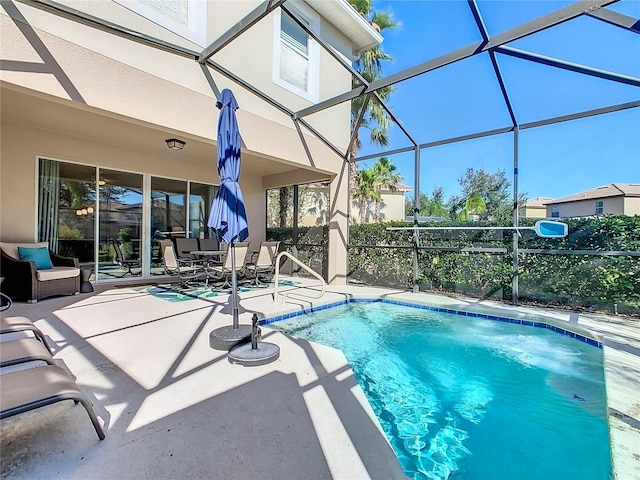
(385, 178)
(284, 194)
(429, 207)
(365, 190)
(369, 65)
(493, 189)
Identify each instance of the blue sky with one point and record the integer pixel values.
(464, 98)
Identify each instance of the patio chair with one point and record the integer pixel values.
(186, 245)
(44, 274)
(224, 271)
(185, 270)
(124, 263)
(209, 244)
(33, 388)
(262, 262)
(22, 324)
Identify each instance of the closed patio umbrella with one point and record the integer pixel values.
(228, 215)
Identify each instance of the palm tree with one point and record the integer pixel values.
(365, 190)
(369, 65)
(284, 195)
(473, 205)
(385, 178)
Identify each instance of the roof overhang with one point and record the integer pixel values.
(345, 18)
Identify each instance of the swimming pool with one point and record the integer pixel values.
(464, 397)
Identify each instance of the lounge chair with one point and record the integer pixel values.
(22, 324)
(262, 262)
(33, 388)
(23, 351)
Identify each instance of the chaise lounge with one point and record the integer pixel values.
(33, 388)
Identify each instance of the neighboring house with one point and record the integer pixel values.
(392, 205)
(536, 207)
(91, 107)
(612, 199)
(314, 205)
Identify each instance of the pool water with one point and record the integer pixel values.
(471, 398)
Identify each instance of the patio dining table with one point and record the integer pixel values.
(208, 253)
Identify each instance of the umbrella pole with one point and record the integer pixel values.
(234, 287)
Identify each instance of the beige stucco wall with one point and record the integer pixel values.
(586, 208)
(21, 146)
(393, 206)
(535, 212)
(632, 206)
(118, 75)
(128, 88)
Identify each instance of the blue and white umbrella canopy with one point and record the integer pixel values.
(228, 216)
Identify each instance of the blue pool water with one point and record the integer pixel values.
(471, 398)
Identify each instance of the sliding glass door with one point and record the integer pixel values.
(113, 219)
(120, 225)
(168, 215)
(66, 209)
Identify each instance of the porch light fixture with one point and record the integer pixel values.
(175, 144)
(84, 211)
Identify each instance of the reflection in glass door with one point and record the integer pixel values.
(66, 204)
(168, 215)
(120, 224)
(200, 199)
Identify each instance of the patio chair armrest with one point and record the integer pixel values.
(60, 261)
(20, 277)
(17, 270)
(253, 258)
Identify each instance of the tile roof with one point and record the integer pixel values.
(610, 190)
(539, 202)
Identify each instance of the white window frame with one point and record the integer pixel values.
(196, 29)
(599, 207)
(313, 72)
(555, 211)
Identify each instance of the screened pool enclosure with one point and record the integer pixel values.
(542, 95)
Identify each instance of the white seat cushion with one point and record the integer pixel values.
(57, 272)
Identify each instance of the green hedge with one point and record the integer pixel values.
(378, 256)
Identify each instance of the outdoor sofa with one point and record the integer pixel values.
(32, 280)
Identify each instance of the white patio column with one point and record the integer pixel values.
(338, 227)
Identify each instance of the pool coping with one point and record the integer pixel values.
(577, 333)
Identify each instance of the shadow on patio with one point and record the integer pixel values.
(174, 408)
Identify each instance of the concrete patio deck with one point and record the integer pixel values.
(174, 408)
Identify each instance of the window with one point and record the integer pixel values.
(599, 207)
(296, 54)
(555, 212)
(187, 18)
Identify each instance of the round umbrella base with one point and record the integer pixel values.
(248, 357)
(224, 338)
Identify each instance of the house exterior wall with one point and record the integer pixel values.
(21, 146)
(125, 77)
(391, 208)
(149, 95)
(535, 212)
(632, 206)
(587, 208)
